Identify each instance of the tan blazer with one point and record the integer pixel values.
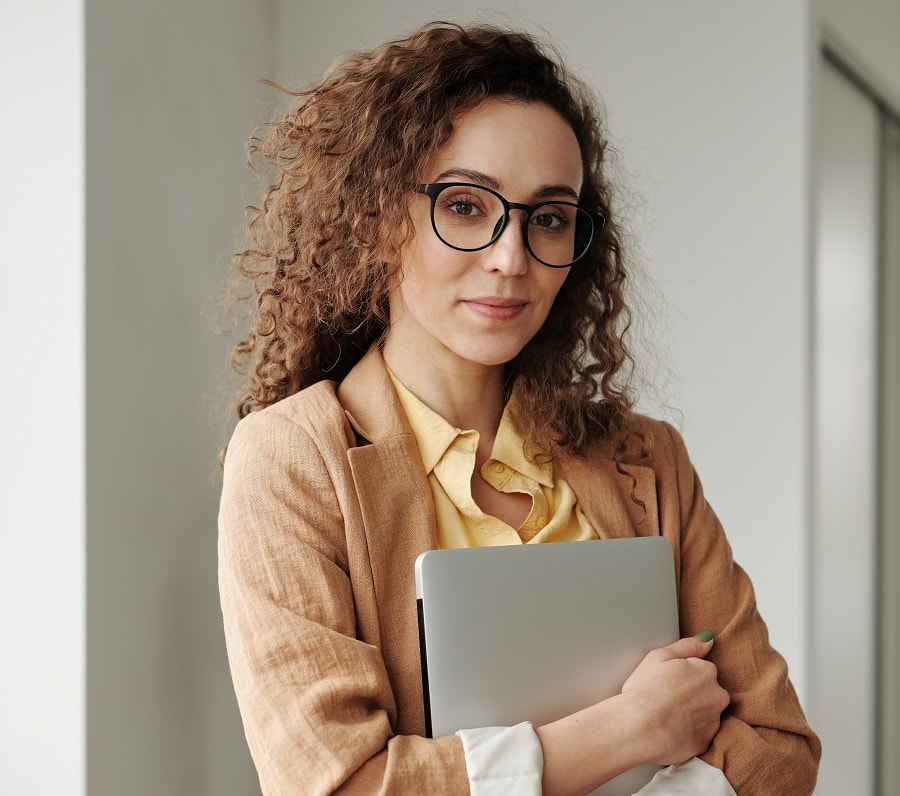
(325, 507)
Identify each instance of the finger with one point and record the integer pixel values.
(691, 647)
(724, 699)
(707, 734)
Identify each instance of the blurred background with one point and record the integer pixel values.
(758, 155)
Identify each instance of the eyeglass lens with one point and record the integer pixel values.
(470, 217)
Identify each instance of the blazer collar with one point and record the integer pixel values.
(619, 501)
(369, 399)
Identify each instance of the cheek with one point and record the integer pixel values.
(552, 282)
(434, 269)
(419, 281)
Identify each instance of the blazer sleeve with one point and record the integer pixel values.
(764, 744)
(316, 702)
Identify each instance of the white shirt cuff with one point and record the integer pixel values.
(503, 760)
(689, 779)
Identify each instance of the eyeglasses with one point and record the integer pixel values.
(470, 217)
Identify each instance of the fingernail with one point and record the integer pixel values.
(704, 636)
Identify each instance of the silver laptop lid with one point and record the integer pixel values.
(536, 632)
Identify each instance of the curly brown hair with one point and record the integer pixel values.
(343, 154)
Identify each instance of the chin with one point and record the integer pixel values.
(492, 356)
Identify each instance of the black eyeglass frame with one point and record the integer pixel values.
(433, 189)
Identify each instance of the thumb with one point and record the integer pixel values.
(692, 647)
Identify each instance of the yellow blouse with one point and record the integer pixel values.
(448, 454)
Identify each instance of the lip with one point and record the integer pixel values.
(497, 308)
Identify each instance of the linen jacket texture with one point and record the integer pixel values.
(325, 507)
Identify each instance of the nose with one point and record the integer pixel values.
(508, 254)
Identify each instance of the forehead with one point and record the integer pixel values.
(523, 146)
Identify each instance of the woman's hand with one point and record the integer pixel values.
(668, 712)
(678, 694)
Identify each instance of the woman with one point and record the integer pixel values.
(438, 360)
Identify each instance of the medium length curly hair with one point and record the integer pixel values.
(346, 153)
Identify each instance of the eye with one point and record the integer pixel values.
(549, 218)
(462, 206)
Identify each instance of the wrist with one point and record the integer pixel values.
(644, 725)
(590, 747)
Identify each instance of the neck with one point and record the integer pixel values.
(467, 395)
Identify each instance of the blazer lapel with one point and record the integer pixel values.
(617, 503)
(398, 519)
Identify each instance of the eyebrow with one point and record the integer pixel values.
(470, 175)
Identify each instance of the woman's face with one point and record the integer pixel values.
(481, 307)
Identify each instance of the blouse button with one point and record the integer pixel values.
(497, 467)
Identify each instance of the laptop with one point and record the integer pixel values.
(536, 632)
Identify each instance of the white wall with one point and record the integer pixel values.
(42, 533)
(707, 105)
(170, 104)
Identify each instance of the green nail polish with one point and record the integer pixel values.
(704, 636)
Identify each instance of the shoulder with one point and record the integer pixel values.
(311, 407)
(659, 446)
(312, 417)
(649, 444)
(645, 441)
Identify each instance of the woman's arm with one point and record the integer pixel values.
(764, 744)
(316, 702)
